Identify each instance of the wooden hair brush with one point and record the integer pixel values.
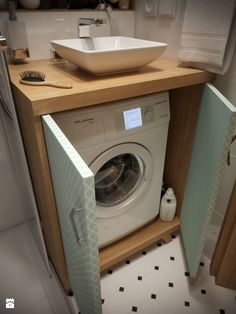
(35, 78)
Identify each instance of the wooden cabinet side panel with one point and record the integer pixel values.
(184, 106)
(33, 139)
(224, 258)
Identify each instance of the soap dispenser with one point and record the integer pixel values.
(168, 205)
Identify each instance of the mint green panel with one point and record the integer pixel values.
(215, 127)
(73, 184)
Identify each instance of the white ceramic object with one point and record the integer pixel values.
(30, 4)
(168, 206)
(103, 55)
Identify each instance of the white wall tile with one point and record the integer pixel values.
(167, 30)
(42, 27)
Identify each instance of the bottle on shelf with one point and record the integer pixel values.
(168, 206)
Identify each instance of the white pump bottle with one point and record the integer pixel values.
(168, 205)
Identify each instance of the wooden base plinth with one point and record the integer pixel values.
(137, 241)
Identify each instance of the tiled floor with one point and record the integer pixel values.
(156, 282)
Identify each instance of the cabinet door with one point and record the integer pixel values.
(73, 184)
(215, 127)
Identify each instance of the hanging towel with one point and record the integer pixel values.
(208, 35)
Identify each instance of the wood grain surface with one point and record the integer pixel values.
(137, 241)
(87, 90)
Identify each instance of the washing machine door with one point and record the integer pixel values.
(122, 175)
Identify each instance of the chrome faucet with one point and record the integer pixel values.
(84, 25)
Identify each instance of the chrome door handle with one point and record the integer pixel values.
(76, 225)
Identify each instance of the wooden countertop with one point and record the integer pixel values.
(163, 74)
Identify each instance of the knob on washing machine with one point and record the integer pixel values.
(148, 115)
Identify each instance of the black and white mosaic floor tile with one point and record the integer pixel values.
(158, 282)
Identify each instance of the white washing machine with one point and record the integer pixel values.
(124, 144)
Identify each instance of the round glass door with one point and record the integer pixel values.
(117, 179)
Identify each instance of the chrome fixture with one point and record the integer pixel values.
(3, 43)
(89, 21)
(85, 23)
(54, 56)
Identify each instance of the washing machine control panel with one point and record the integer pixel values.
(134, 117)
(148, 115)
(137, 115)
(94, 125)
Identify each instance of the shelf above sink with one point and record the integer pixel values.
(105, 55)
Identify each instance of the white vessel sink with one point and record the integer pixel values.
(103, 55)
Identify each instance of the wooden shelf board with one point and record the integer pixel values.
(137, 241)
(161, 75)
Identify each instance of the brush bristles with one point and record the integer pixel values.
(32, 76)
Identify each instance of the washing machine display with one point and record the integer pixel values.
(117, 179)
(132, 118)
(124, 144)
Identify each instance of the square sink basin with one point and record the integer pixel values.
(104, 55)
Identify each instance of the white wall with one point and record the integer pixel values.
(168, 30)
(42, 27)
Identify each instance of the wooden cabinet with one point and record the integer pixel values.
(185, 87)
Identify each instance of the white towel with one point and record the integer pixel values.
(209, 34)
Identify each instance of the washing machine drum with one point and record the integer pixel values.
(122, 175)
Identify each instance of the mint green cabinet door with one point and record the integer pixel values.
(215, 127)
(75, 198)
